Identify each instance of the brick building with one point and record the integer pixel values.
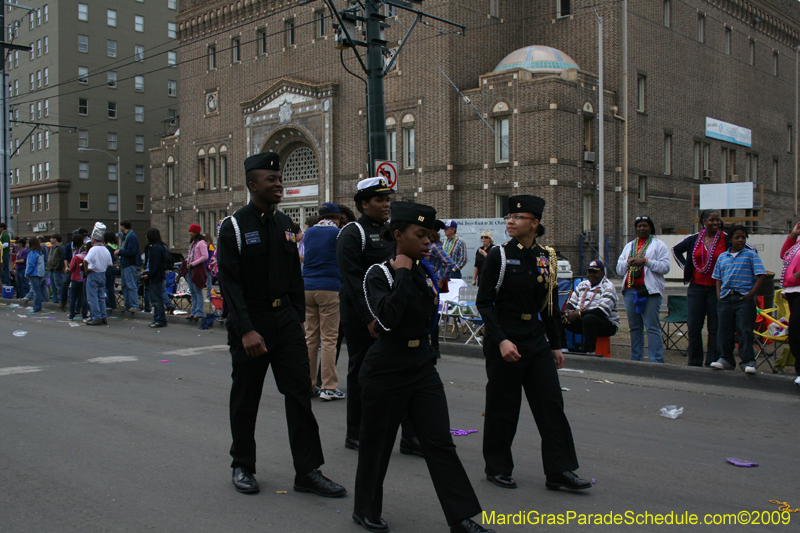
(260, 75)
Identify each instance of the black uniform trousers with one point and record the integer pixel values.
(385, 403)
(536, 373)
(359, 341)
(287, 353)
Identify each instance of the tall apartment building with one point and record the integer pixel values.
(97, 77)
(264, 75)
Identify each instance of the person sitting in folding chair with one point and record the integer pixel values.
(790, 281)
(592, 308)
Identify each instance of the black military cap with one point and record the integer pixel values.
(438, 225)
(265, 161)
(419, 214)
(526, 203)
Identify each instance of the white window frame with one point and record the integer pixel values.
(139, 173)
(111, 17)
(83, 40)
(83, 75)
(409, 147)
(113, 172)
(172, 88)
(111, 49)
(112, 140)
(138, 113)
(138, 52)
(83, 170)
(139, 143)
(138, 23)
(501, 149)
(83, 13)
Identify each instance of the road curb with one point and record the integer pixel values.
(704, 376)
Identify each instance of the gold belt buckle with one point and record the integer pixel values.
(526, 317)
(413, 344)
(276, 303)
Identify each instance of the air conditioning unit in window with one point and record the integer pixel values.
(589, 157)
(201, 185)
(707, 174)
(734, 178)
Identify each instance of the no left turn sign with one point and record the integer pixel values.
(388, 170)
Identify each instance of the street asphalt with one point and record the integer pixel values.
(125, 428)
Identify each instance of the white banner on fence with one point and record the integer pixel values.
(469, 229)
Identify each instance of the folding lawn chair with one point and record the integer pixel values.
(768, 346)
(465, 314)
(673, 326)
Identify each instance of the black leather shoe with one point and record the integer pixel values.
(315, 482)
(378, 527)
(567, 480)
(468, 526)
(411, 447)
(351, 444)
(506, 482)
(244, 481)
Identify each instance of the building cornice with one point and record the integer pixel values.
(215, 16)
(773, 21)
(284, 85)
(49, 186)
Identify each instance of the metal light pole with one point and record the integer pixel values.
(601, 244)
(119, 187)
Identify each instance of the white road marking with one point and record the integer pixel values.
(113, 359)
(20, 370)
(185, 352)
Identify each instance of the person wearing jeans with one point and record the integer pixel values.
(158, 257)
(197, 257)
(739, 274)
(97, 261)
(129, 260)
(35, 273)
(643, 262)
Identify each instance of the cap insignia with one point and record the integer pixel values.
(421, 219)
(519, 206)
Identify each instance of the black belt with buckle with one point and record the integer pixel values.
(527, 317)
(407, 343)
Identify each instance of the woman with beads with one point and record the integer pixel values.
(643, 262)
(697, 255)
(398, 378)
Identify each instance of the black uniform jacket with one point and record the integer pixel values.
(266, 270)
(405, 311)
(353, 264)
(520, 294)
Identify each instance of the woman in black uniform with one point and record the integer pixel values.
(399, 377)
(518, 300)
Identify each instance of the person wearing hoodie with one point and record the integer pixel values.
(158, 258)
(34, 271)
(196, 278)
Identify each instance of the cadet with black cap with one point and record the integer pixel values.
(398, 378)
(518, 300)
(259, 269)
(360, 245)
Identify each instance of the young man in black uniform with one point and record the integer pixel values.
(259, 267)
(360, 245)
(398, 377)
(518, 300)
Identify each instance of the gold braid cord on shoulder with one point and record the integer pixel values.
(552, 281)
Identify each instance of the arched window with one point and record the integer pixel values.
(300, 165)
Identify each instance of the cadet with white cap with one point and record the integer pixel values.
(362, 244)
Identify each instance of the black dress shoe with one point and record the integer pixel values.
(506, 482)
(468, 526)
(351, 444)
(411, 447)
(244, 481)
(315, 482)
(378, 527)
(567, 480)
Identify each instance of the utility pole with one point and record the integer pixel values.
(376, 67)
(5, 155)
(625, 115)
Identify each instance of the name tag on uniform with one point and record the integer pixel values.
(375, 237)
(252, 237)
(513, 262)
(290, 236)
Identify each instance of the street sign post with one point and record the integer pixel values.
(388, 170)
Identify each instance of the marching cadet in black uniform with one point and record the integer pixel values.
(360, 245)
(259, 268)
(399, 376)
(518, 300)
